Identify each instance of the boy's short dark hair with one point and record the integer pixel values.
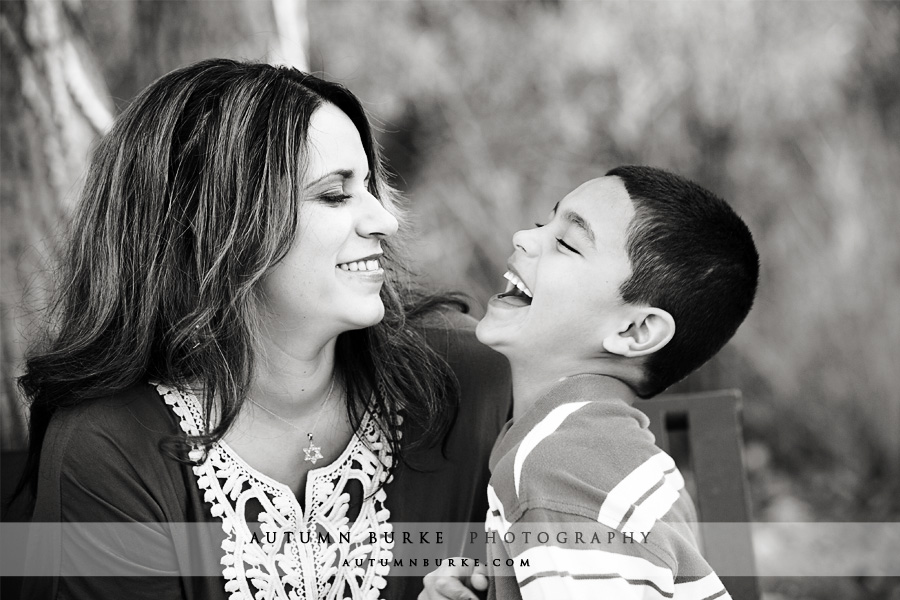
(692, 256)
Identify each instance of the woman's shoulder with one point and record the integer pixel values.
(136, 409)
(483, 373)
(101, 460)
(446, 319)
(451, 333)
(128, 424)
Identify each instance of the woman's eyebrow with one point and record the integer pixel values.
(342, 173)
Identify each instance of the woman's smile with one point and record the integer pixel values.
(329, 281)
(369, 263)
(366, 270)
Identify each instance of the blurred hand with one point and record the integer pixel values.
(455, 583)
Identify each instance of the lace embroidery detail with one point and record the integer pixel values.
(305, 559)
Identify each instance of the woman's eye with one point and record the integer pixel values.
(562, 243)
(335, 198)
(539, 225)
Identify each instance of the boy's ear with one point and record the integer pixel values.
(649, 330)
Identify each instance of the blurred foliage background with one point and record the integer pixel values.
(492, 111)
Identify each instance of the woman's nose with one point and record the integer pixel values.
(378, 221)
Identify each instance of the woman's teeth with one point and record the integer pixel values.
(360, 265)
(511, 277)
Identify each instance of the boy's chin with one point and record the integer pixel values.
(501, 337)
(488, 333)
(482, 332)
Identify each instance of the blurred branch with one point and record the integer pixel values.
(55, 104)
(292, 39)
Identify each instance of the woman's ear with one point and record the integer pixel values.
(649, 330)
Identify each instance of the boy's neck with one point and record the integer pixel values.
(530, 384)
(527, 390)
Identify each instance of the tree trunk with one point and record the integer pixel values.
(60, 61)
(54, 106)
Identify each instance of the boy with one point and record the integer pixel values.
(637, 279)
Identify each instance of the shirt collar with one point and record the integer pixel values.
(586, 386)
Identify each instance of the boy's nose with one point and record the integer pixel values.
(524, 240)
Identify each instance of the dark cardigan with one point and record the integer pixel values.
(101, 463)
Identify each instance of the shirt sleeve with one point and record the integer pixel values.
(557, 555)
(104, 492)
(552, 555)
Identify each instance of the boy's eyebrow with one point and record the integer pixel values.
(580, 222)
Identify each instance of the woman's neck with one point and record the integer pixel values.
(292, 379)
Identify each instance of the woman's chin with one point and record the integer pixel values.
(367, 315)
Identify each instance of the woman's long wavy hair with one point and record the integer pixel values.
(189, 201)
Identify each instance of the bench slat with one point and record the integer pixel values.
(702, 432)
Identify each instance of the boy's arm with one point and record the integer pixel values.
(579, 558)
(582, 558)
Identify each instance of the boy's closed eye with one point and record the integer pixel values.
(561, 242)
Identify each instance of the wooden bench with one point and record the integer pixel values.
(702, 433)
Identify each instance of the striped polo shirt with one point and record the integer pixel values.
(583, 504)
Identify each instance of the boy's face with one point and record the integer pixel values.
(572, 266)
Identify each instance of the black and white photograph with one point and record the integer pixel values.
(450, 299)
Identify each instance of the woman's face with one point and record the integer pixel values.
(329, 282)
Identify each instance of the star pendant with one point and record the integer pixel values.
(312, 452)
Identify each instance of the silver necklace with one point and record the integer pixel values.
(313, 453)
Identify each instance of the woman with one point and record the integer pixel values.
(232, 318)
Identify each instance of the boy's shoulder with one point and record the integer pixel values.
(590, 456)
(575, 455)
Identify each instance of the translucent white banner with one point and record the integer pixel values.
(195, 549)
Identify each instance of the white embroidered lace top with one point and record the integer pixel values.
(319, 554)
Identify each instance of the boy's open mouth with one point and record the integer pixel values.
(516, 291)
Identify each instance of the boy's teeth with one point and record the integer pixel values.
(360, 265)
(511, 277)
